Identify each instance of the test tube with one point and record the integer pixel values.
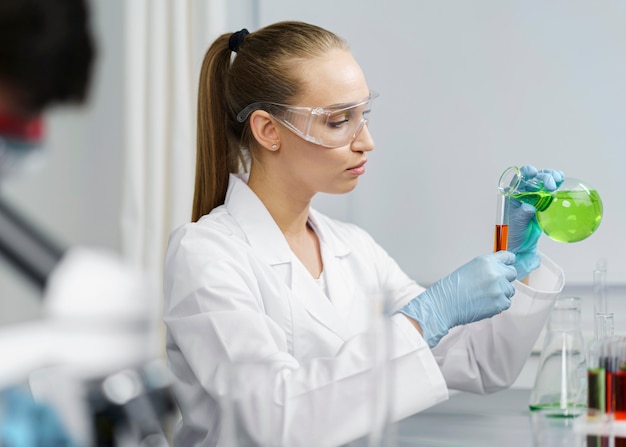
(501, 236)
(600, 305)
(507, 185)
(616, 385)
(603, 326)
(514, 183)
(603, 320)
(599, 366)
(601, 372)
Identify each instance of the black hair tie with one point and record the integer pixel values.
(236, 39)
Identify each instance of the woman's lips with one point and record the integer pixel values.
(358, 169)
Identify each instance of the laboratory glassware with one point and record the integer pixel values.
(603, 319)
(607, 392)
(549, 431)
(560, 387)
(599, 375)
(501, 235)
(571, 213)
(613, 355)
(618, 386)
(598, 401)
(600, 301)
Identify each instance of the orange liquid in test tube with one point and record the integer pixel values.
(501, 237)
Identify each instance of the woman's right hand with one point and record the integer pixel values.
(475, 291)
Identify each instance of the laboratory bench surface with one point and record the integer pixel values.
(471, 420)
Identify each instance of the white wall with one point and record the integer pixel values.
(467, 89)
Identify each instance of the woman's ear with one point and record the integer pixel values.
(264, 129)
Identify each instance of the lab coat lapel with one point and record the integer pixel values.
(316, 302)
(340, 283)
(257, 223)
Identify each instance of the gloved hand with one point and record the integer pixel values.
(26, 423)
(524, 231)
(477, 290)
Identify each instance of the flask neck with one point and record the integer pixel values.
(513, 183)
(564, 320)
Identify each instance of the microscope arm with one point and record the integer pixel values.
(25, 247)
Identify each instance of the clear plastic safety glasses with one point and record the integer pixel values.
(331, 126)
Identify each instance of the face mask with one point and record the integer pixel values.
(19, 138)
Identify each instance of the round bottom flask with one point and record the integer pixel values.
(570, 214)
(575, 212)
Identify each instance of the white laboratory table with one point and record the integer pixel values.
(470, 420)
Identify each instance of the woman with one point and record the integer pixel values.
(261, 278)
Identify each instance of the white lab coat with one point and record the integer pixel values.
(235, 292)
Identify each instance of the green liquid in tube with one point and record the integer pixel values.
(566, 216)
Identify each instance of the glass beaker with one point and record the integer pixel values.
(570, 214)
(560, 387)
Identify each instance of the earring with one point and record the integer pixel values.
(274, 146)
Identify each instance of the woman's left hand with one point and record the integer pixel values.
(524, 230)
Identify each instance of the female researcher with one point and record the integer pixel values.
(260, 276)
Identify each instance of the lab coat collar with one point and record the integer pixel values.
(262, 232)
(269, 243)
(333, 245)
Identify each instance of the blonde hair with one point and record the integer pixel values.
(265, 68)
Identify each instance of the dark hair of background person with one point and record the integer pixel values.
(46, 51)
(266, 68)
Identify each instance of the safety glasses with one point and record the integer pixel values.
(331, 126)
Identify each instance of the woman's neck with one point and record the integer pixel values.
(291, 214)
(289, 210)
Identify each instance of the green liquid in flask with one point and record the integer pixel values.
(566, 216)
(540, 200)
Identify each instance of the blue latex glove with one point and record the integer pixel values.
(524, 231)
(477, 290)
(26, 423)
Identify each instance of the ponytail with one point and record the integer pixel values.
(213, 159)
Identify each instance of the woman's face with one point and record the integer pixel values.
(309, 168)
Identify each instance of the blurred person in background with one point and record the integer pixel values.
(46, 58)
(100, 314)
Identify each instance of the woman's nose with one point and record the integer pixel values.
(363, 140)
